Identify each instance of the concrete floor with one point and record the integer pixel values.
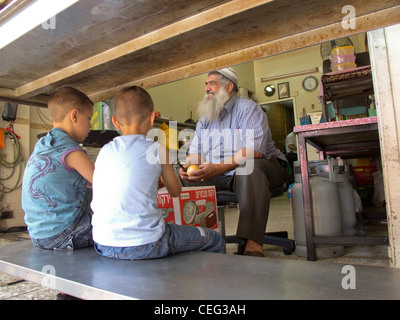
(280, 219)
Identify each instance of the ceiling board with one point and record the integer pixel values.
(97, 49)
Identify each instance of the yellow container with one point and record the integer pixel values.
(344, 66)
(342, 51)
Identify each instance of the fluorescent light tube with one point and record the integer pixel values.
(30, 17)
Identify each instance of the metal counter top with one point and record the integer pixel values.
(194, 275)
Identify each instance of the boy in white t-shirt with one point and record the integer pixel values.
(127, 223)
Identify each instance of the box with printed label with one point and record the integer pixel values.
(196, 206)
(166, 204)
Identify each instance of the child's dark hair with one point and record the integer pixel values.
(133, 105)
(66, 99)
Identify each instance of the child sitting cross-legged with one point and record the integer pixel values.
(127, 223)
(57, 175)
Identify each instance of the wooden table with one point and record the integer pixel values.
(347, 139)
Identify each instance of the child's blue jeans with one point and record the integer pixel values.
(175, 239)
(78, 235)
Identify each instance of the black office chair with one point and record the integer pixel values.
(279, 238)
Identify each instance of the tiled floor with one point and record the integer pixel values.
(12, 288)
(280, 219)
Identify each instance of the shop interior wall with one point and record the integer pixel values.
(30, 122)
(178, 99)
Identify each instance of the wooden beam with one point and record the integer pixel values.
(8, 95)
(384, 48)
(217, 13)
(13, 9)
(24, 102)
(7, 92)
(330, 32)
(4, 3)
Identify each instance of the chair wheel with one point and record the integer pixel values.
(288, 250)
(241, 247)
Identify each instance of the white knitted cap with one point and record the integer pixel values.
(230, 74)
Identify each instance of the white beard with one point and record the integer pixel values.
(210, 108)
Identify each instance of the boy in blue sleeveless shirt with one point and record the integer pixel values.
(127, 223)
(57, 174)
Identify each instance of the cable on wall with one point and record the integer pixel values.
(14, 164)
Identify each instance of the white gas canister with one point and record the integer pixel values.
(339, 173)
(326, 213)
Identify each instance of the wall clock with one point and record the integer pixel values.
(310, 83)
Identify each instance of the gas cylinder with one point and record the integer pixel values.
(298, 212)
(325, 209)
(319, 168)
(339, 173)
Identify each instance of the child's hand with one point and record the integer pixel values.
(160, 183)
(183, 171)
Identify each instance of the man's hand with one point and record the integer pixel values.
(206, 171)
(210, 170)
(183, 172)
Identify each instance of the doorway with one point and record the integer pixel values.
(281, 119)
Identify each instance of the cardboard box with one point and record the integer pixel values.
(196, 206)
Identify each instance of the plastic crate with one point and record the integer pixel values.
(363, 175)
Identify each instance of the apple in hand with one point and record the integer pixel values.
(191, 169)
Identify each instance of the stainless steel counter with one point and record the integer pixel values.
(196, 275)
